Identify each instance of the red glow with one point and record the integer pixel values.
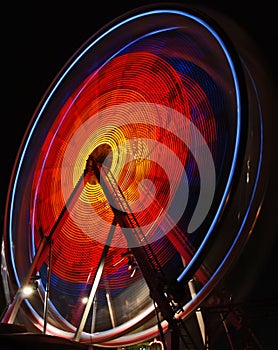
(135, 77)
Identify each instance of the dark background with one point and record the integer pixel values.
(40, 37)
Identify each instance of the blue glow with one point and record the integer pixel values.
(231, 249)
(250, 202)
(79, 57)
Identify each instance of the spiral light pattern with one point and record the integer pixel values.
(155, 113)
(88, 120)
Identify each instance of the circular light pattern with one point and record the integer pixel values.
(122, 104)
(138, 138)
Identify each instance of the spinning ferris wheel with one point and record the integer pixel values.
(138, 182)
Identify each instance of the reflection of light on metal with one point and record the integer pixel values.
(131, 262)
(132, 265)
(84, 300)
(118, 262)
(248, 171)
(156, 345)
(110, 309)
(198, 311)
(133, 272)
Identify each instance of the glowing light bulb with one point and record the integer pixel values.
(27, 290)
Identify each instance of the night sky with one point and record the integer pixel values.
(44, 39)
(42, 36)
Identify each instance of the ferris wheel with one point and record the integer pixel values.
(138, 182)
